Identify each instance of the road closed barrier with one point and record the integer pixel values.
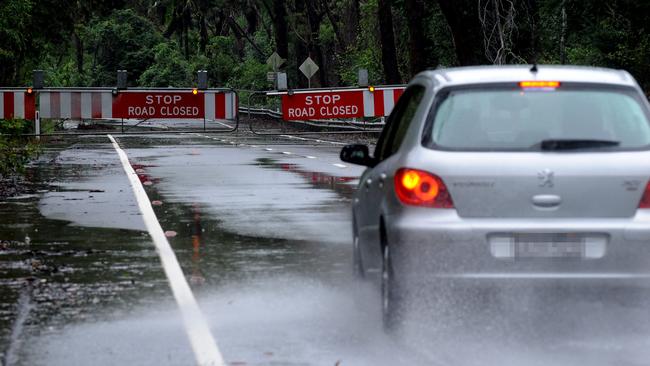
(147, 104)
(314, 104)
(176, 104)
(102, 103)
(17, 103)
(76, 104)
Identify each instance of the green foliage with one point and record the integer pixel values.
(362, 55)
(63, 74)
(221, 59)
(249, 75)
(14, 127)
(125, 40)
(169, 68)
(14, 22)
(163, 43)
(15, 151)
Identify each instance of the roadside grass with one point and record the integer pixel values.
(15, 153)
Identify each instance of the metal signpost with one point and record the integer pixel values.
(309, 68)
(275, 61)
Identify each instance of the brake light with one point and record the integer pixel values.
(539, 84)
(419, 188)
(645, 200)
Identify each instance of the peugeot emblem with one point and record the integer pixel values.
(546, 177)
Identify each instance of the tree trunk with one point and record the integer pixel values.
(187, 24)
(563, 34)
(533, 9)
(280, 28)
(351, 19)
(421, 49)
(340, 38)
(387, 40)
(251, 15)
(463, 21)
(240, 33)
(300, 49)
(79, 52)
(203, 33)
(314, 20)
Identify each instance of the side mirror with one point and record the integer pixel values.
(357, 154)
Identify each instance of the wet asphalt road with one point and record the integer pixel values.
(261, 227)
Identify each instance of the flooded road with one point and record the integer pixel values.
(261, 228)
(261, 231)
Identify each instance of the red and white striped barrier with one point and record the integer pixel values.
(92, 104)
(17, 104)
(316, 104)
(221, 105)
(138, 104)
(380, 102)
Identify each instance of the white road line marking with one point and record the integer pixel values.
(223, 124)
(308, 139)
(340, 165)
(201, 339)
(295, 137)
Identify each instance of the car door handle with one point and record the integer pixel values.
(546, 200)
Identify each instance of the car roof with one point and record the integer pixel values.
(516, 73)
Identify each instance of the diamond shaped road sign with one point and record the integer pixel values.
(275, 61)
(309, 67)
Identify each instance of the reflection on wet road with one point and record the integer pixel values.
(261, 229)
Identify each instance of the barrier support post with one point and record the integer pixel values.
(122, 124)
(37, 125)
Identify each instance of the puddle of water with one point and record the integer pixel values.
(72, 273)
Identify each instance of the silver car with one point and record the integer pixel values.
(505, 173)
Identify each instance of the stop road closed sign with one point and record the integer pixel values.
(143, 105)
(325, 105)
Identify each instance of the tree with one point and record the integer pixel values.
(463, 21)
(83, 43)
(387, 37)
(169, 68)
(125, 40)
(15, 16)
(421, 48)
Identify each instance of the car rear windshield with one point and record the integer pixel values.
(513, 118)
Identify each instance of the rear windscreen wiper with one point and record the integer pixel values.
(574, 144)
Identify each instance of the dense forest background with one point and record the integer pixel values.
(164, 42)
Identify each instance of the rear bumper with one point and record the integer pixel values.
(443, 245)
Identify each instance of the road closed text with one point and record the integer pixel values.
(322, 105)
(163, 111)
(158, 105)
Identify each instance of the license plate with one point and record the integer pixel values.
(549, 246)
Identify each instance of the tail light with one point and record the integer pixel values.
(645, 200)
(419, 188)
